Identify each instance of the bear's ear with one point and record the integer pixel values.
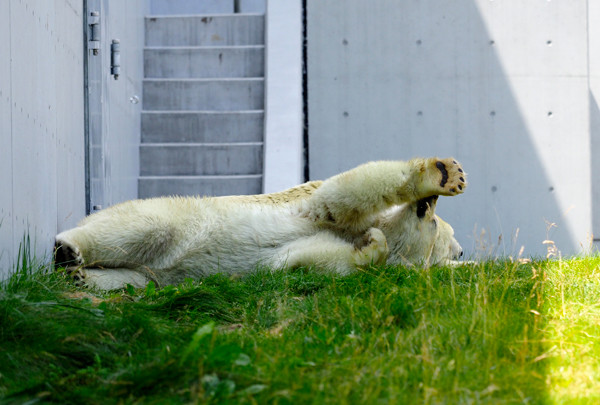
(426, 206)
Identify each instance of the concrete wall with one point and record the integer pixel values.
(284, 125)
(42, 128)
(594, 105)
(41, 122)
(500, 85)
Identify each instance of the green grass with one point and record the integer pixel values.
(496, 332)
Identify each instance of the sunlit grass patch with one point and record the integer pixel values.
(572, 331)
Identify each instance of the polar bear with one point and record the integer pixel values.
(377, 213)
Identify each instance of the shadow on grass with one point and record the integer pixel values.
(465, 335)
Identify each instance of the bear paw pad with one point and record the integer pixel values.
(451, 178)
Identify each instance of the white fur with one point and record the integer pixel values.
(366, 215)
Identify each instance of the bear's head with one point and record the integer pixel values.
(415, 235)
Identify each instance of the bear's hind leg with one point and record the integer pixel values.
(110, 243)
(66, 254)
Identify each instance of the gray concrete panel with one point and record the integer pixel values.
(242, 61)
(34, 109)
(200, 185)
(70, 146)
(502, 86)
(235, 29)
(6, 176)
(594, 96)
(204, 94)
(42, 159)
(202, 127)
(41, 124)
(284, 99)
(194, 159)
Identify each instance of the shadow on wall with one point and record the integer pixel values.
(470, 79)
(595, 164)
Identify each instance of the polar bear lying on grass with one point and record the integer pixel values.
(380, 212)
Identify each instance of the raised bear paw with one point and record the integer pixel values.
(444, 177)
(371, 248)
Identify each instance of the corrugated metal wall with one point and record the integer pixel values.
(42, 142)
(500, 85)
(41, 122)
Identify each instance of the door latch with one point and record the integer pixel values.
(94, 32)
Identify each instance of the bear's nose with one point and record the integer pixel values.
(460, 254)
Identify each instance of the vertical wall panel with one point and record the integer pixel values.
(6, 233)
(42, 153)
(41, 124)
(70, 146)
(34, 120)
(284, 121)
(594, 98)
(501, 85)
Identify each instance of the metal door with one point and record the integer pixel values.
(114, 40)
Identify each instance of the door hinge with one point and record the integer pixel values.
(115, 58)
(94, 32)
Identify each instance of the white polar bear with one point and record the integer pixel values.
(379, 212)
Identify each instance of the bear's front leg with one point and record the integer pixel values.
(439, 177)
(348, 201)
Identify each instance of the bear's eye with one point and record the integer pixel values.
(435, 222)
